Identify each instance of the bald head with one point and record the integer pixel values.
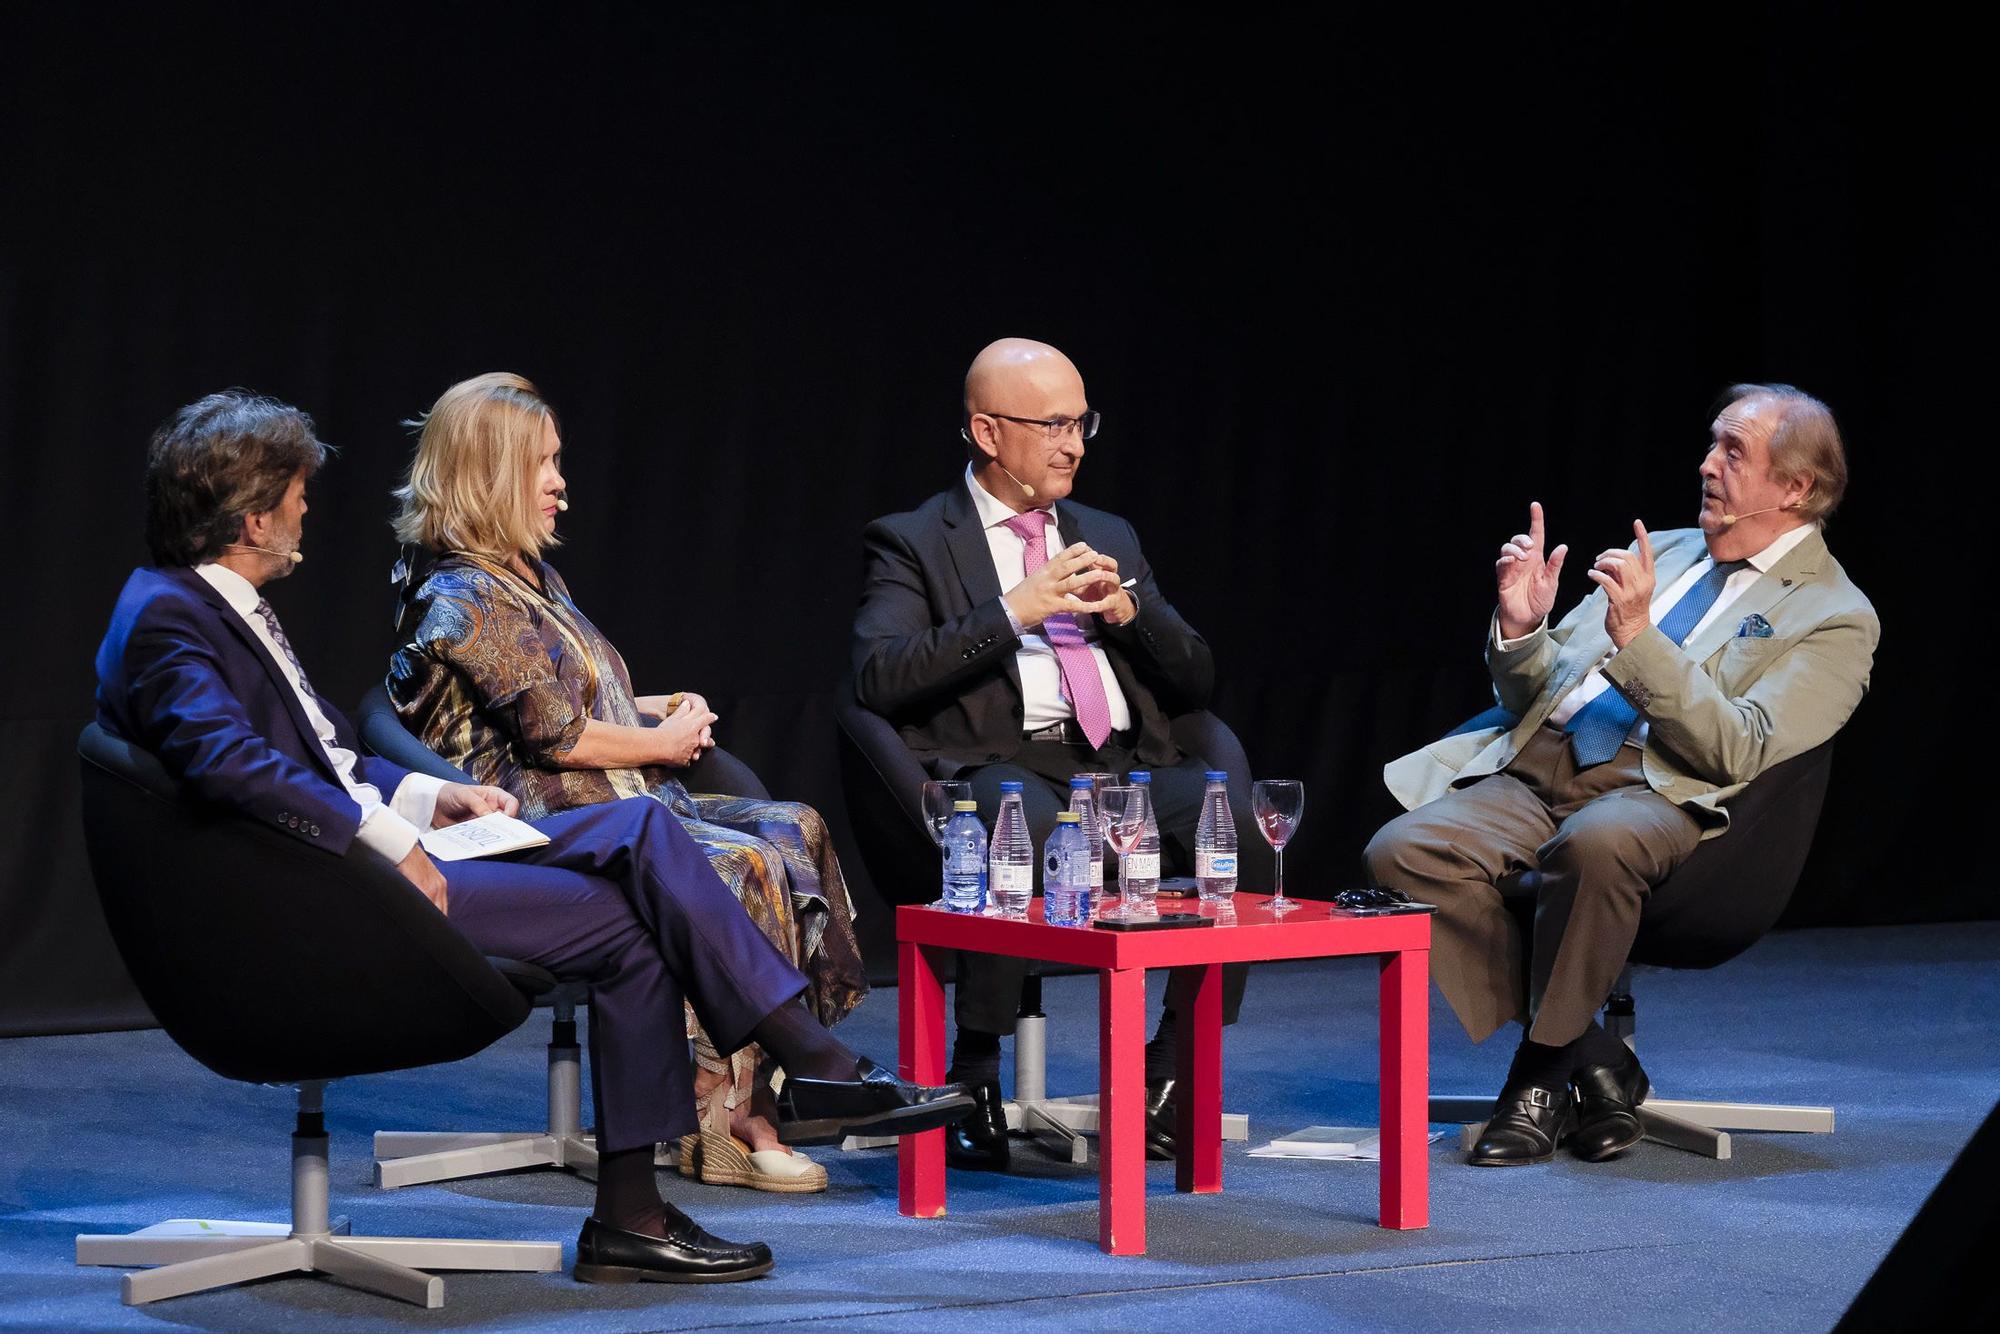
(1013, 390)
(1009, 372)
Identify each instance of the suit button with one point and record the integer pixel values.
(315, 831)
(293, 822)
(283, 816)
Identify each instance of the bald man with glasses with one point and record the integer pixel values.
(1010, 633)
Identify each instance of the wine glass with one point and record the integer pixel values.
(1122, 808)
(939, 796)
(1278, 804)
(1098, 782)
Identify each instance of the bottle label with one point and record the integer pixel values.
(1142, 866)
(1097, 873)
(1018, 879)
(1214, 865)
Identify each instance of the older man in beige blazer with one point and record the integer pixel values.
(1703, 657)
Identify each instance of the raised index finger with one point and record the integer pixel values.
(1535, 523)
(1645, 544)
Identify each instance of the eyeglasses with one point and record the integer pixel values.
(1054, 427)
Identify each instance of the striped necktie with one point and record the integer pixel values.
(1599, 728)
(278, 636)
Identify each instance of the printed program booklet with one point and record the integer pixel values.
(489, 836)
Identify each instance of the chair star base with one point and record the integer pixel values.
(1695, 1127)
(413, 1157)
(200, 1255)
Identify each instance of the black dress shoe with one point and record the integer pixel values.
(1528, 1122)
(979, 1142)
(874, 1102)
(1162, 1121)
(688, 1255)
(1607, 1096)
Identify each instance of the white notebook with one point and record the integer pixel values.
(489, 836)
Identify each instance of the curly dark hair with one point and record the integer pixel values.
(216, 460)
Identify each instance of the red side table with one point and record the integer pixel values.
(1251, 933)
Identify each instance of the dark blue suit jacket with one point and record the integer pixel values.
(180, 674)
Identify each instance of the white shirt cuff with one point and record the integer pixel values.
(416, 800)
(1509, 645)
(383, 830)
(1013, 621)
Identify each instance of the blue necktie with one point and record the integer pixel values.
(1599, 728)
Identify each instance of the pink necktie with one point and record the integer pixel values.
(1083, 687)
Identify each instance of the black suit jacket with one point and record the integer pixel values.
(933, 652)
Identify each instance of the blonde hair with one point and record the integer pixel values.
(477, 455)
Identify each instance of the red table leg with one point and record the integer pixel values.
(1405, 1048)
(919, 1057)
(1121, 1121)
(1196, 995)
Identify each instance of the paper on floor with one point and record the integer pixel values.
(1343, 1143)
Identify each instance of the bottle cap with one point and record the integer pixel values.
(1009, 786)
(1067, 817)
(965, 806)
(1081, 783)
(1215, 776)
(1140, 776)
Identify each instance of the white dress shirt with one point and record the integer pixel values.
(390, 830)
(1594, 683)
(1043, 703)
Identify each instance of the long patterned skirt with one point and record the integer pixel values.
(778, 860)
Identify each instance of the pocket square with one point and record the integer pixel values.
(1754, 626)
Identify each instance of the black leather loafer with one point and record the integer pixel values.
(1162, 1121)
(874, 1102)
(979, 1142)
(1607, 1099)
(687, 1255)
(1528, 1122)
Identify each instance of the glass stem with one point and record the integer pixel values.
(1279, 854)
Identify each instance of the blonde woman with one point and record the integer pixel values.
(501, 674)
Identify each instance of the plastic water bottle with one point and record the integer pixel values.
(1083, 800)
(1215, 841)
(1011, 857)
(1066, 896)
(965, 859)
(1140, 873)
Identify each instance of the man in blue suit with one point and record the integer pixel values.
(197, 669)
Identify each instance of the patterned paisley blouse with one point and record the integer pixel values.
(499, 677)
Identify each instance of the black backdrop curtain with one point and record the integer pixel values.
(1348, 291)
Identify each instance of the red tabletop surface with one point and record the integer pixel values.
(1246, 930)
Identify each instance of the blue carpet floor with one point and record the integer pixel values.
(1896, 1028)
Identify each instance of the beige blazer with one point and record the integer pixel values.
(1722, 708)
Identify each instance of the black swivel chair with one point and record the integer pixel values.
(410, 1157)
(1715, 905)
(272, 963)
(883, 784)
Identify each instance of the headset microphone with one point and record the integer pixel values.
(1026, 490)
(295, 556)
(1731, 520)
(562, 503)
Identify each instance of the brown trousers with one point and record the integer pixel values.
(1601, 839)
